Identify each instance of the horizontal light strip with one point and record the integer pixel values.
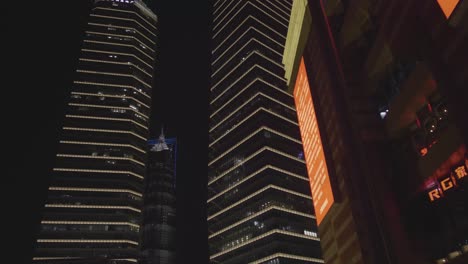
(87, 223)
(270, 186)
(113, 85)
(86, 241)
(118, 63)
(235, 42)
(55, 258)
(126, 259)
(252, 156)
(116, 74)
(274, 207)
(107, 118)
(105, 131)
(245, 32)
(121, 27)
(287, 7)
(127, 11)
(245, 119)
(235, 96)
(89, 206)
(242, 62)
(272, 232)
(102, 144)
(240, 78)
(217, 2)
(125, 19)
(217, 12)
(250, 69)
(109, 107)
(119, 44)
(246, 87)
(249, 137)
(113, 96)
(215, 27)
(282, 17)
(273, 3)
(76, 189)
(236, 110)
(119, 53)
(240, 10)
(221, 12)
(253, 175)
(245, 103)
(100, 171)
(288, 256)
(119, 35)
(240, 49)
(77, 258)
(99, 157)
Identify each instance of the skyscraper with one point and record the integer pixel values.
(259, 200)
(94, 202)
(159, 210)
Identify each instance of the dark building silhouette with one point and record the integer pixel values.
(259, 202)
(94, 203)
(388, 85)
(159, 210)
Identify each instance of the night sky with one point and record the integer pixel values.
(40, 48)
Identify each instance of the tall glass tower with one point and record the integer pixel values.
(159, 210)
(259, 200)
(93, 209)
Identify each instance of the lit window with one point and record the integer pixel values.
(121, 111)
(310, 233)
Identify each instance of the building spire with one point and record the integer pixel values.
(161, 145)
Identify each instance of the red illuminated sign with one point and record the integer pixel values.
(320, 185)
(447, 183)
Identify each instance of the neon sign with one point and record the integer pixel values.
(320, 185)
(458, 174)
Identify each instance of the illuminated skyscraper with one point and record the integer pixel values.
(259, 200)
(159, 210)
(94, 204)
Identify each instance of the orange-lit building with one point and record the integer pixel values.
(388, 89)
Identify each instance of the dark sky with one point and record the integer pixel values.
(40, 46)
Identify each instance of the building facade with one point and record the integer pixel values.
(387, 80)
(159, 210)
(259, 201)
(94, 204)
